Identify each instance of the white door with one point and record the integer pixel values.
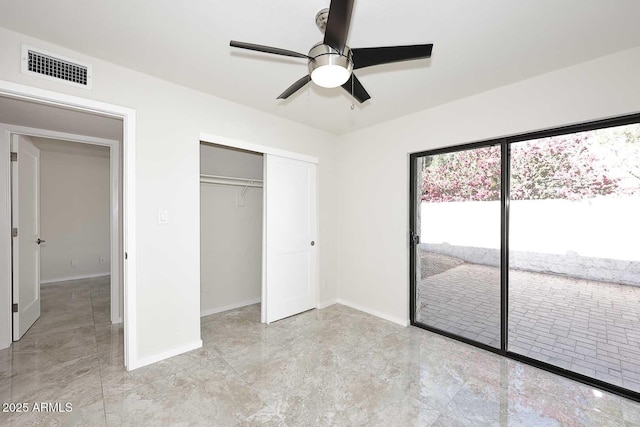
(26, 245)
(290, 233)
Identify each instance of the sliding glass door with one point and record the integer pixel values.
(529, 246)
(574, 259)
(458, 283)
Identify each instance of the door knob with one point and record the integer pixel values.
(313, 243)
(40, 241)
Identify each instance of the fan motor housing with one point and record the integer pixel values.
(321, 19)
(323, 55)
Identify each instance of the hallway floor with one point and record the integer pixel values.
(335, 366)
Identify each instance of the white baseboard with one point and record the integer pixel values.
(135, 364)
(215, 310)
(398, 320)
(68, 279)
(327, 303)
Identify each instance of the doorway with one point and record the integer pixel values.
(49, 108)
(69, 252)
(80, 263)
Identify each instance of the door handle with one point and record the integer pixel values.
(313, 243)
(415, 238)
(40, 241)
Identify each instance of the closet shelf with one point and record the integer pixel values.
(230, 180)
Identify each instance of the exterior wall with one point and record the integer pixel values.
(591, 239)
(569, 264)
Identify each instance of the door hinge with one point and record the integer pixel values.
(14, 156)
(15, 308)
(14, 232)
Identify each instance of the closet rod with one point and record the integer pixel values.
(229, 180)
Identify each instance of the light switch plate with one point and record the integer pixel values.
(163, 216)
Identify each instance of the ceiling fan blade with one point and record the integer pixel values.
(354, 87)
(338, 21)
(368, 56)
(267, 49)
(295, 87)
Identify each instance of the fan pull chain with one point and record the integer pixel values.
(352, 106)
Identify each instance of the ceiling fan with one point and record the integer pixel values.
(331, 62)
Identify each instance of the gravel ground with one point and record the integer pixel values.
(432, 263)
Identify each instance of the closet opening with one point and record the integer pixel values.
(231, 222)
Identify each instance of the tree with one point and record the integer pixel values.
(463, 176)
(622, 147)
(560, 167)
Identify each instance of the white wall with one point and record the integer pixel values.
(374, 164)
(373, 172)
(601, 227)
(74, 212)
(230, 234)
(169, 120)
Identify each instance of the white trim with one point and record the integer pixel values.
(72, 278)
(114, 199)
(115, 231)
(326, 304)
(128, 116)
(263, 272)
(6, 333)
(216, 310)
(139, 363)
(398, 320)
(44, 133)
(257, 148)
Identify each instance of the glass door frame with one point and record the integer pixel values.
(505, 172)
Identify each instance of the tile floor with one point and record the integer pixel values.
(585, 326)
(331, 367)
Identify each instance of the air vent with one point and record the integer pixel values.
(55, 67)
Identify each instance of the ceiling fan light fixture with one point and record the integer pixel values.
(328, 67)
(330, 75)
(331, 62)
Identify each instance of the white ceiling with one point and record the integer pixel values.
(479, 45)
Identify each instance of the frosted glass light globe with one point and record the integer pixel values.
(330, 75)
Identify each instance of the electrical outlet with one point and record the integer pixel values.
(74, 263)
(102, 260)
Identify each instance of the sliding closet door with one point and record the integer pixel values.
(290, 281)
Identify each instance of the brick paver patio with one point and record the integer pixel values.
(588, 327)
